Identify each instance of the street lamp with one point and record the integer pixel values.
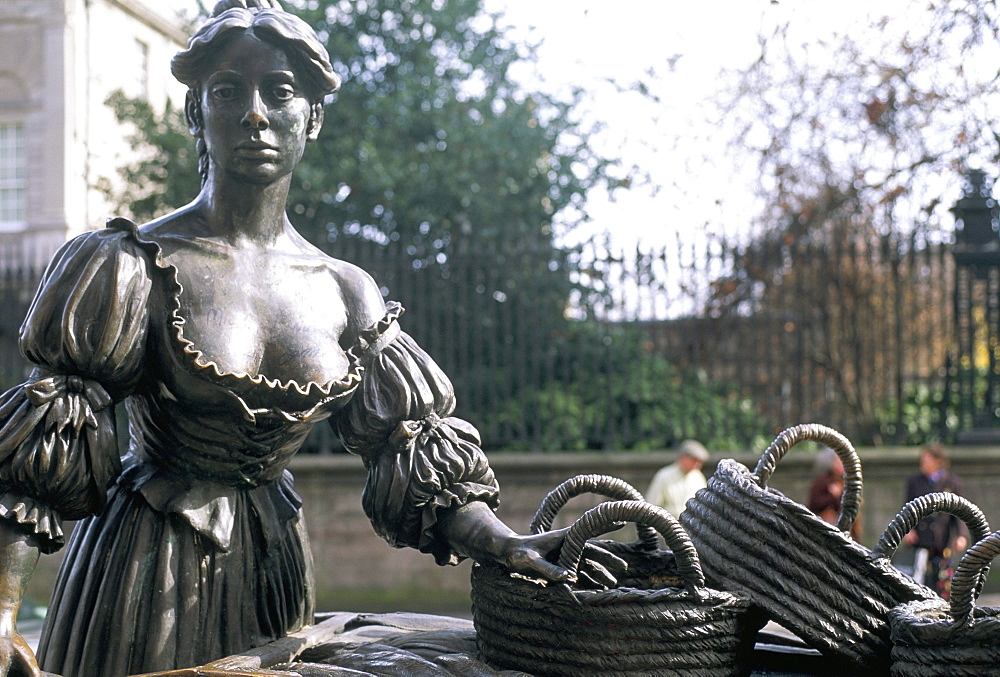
(976, 213)
(975, 372)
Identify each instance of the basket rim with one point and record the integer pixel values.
(493, 574)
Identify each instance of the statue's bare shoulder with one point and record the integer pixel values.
(361, 294)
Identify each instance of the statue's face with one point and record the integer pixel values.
(255, 113)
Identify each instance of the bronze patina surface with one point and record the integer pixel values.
(227, 337)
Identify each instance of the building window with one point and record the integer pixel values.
(13, 179)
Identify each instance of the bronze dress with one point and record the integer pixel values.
(191, 545)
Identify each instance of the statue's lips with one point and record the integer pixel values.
(260, 151)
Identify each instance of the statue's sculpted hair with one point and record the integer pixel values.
(268, 22)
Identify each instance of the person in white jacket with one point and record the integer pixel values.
(673, 485)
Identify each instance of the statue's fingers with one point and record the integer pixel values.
(548, 540)
(551, 572)
(610, 560)
(597, 574)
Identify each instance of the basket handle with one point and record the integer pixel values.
(605, 485)
(969, 575)
(850, 500)
(923, 506)
(606, 516)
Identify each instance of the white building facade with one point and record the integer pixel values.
(59, 62)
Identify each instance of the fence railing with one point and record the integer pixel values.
(599, 348)
(18, 282)
(855, 332)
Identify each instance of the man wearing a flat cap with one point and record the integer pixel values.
(673, 485)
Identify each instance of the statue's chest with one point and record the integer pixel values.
(283, 322)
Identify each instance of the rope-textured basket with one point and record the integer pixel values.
(544, 630)
(648, 566)
(935, 638)
(808, 575)
(605, 485)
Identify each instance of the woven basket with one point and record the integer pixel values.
(650, 629)
(808, 575)
(935, 638)
(648, 566)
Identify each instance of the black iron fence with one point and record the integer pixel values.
(718, 341)
(855, 332)
(598, 348)
(18, 282)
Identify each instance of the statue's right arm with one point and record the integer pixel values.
(85, 333)
(18, 556)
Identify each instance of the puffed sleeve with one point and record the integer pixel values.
(420, 459)
(85, 332)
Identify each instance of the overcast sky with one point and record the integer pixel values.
(685, 45)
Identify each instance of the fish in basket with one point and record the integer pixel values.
(954, 638)
(806, 574)
(644, 628)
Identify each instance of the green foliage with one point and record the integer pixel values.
(617, 393)
(164, 173)
(928, 415)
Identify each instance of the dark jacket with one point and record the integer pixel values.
(937, 531)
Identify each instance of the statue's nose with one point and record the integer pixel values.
(255, 117)
(254, 120)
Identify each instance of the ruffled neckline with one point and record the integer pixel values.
(314, 394)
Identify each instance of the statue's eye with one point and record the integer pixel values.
(283, 92)
(224, 92)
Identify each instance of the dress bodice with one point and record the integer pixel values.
(107, 325)
(190, 416)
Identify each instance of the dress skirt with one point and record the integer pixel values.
(141, 590)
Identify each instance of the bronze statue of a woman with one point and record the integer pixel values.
(228, 337)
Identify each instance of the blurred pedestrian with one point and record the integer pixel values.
(673, 485)
(827, 489)
(938, 538)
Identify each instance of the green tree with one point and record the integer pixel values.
(430, 139)
(432, 157)
(164, 173)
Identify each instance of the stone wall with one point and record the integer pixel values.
(356, 570)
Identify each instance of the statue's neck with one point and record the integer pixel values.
(241, 211)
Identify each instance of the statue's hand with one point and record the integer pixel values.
(476, 532)
(16, 657)
(529, 555)
(533, 556)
